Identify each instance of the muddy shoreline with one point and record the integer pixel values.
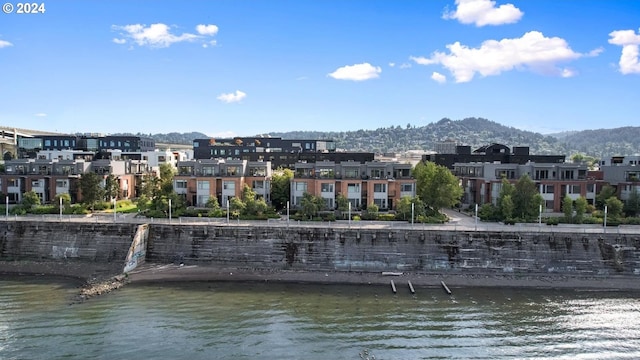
(96, 279)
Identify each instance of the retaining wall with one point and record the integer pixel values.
(328, 249)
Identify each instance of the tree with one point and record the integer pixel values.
(66, 201)
(212, 203)
(614, 207)
(252, 205)
(525, 201)
(111, 187)
(581, 208)
(506, 190)
(632, 205)
(30, 199)
(403, 208)
(342, 204)
(436, 186)
(91, 190)
(507, 207)
(311, 205)
(605, 193)
(567, 208)
(281, 187)
(372, 212)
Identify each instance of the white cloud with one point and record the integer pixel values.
(630, 42)
(40, 115)
(4, 43)
(232, 97)
(160, 35)
(207, 29)
(483, 12)
(405, 66)
(392, 64)
(533, 51)
(439, 78)
(567, 73)
(357, 72)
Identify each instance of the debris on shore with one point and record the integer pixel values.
(93, 289)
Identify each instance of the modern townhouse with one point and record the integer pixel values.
(50, 177)
(199, 180)
(380, 183)
(482, 182)
(29, 146)
(623, 173)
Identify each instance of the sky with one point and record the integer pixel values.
(243, 68)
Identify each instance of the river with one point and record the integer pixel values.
(223, 320)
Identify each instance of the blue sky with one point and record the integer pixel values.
(251, 67)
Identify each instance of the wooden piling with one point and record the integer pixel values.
(446, 288)
(413, 291)
(393, 287)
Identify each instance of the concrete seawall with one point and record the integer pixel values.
(325, 248)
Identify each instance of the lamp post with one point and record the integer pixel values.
(287, 213)
(227, 211)
(114, 209)
(60, 198)
(540, 216)
(6, 206)
(413, 206)
(476, 217)
(605, 219)
(169, 211)
(349, 214)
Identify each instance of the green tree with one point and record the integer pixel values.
(30, 199)
(507, 207)
(281, 188)
(372, 212)
(111, 188)
(605, 193)
(614, 207)
(311, 205)
(403, 208)
(66, 201)
(567, 208)
(236, 207)
(91, 189)
(632, 205)
(342, 204)
(252, 205)
(581, 208)
(436, 186)
(506, 190)
(525, 200)
(212, 203)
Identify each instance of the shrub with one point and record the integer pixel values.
(387, 217)
(44, 209)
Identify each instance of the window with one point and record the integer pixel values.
(325, 173)
(507, 174)
(381, 203)
(542, 174)
(326, 187)
(377, 173)
(35, 183)
(547, 189)
(181, 184)
(61, 183)
(301, 186)
(567, 174)
(203, 185)
(258, 184)
(66, 143)
(380, 188)
(406, 188)
(229, 185)
(329, 203)
(573, 189)
(353, 188)
(351, 173)
(590, 188)
(13, 182)
(47, 142)
(233, 170)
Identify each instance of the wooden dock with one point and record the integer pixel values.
(445, 287)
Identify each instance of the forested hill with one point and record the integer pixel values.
(471, 131)
(475, 132)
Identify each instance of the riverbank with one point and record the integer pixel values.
(154, 273)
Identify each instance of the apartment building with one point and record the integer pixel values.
(50, 177)
(380, 183)
(482, 182)
(623, 173)
(198, 180)
(29, 146)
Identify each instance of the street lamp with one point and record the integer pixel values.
(114, 209)
(169, 211)
(605, 218)
(540, 216)
(349, 214)
(476, 217)
(413, 205)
